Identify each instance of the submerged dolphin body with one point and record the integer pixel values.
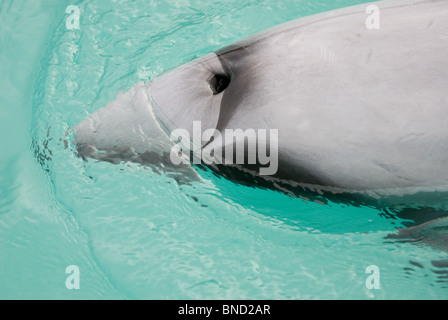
(358, 111)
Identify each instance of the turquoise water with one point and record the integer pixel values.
(135, 234)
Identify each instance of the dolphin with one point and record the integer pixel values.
(359, 111)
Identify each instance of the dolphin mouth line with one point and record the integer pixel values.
(164, 122)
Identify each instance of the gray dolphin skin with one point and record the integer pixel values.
(357, 110)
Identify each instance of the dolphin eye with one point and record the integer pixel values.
(219, 82)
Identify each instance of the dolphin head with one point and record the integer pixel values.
(136, 126)
(240, 87)
(140, 120)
